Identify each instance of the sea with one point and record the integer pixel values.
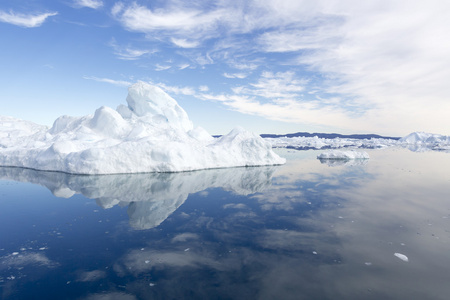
(310, 229)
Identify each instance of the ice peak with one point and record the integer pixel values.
(148, 100)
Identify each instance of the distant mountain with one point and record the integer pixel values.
(329, 135)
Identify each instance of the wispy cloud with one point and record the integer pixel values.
(183, 66)
(276, 86)
(373, 65)
(89, 3)
(25, 20)
(184, 43)
(178, 90)
(110, 81)
(127, 52)
(159, 67)
(281, 97)
(174, 18)
(235, 75)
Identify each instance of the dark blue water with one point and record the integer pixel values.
(305, 230)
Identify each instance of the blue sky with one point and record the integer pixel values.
(271, 66)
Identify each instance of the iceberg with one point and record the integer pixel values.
(423, 141)
(151, 134)
(343, 155)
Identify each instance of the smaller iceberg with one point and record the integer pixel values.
(423, 141)
(343, 155)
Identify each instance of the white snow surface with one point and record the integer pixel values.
(151, 134)
(343, 155)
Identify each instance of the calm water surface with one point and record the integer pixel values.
(305, 230)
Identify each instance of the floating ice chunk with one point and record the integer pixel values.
(152, 134)
(402, 256)
(346, 155)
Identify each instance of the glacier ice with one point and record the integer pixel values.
(151, 134)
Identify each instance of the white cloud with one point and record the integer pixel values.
(89, 3)
(117, 8)
(203, 88)
(177, 90)
(279, 97)
(183, 66)
(276, 86)
(128, 53)
(110, 81)
(173, 18)
(235, 75)
(184, 43)
(383, 66)
(159, 67)
(25, 20)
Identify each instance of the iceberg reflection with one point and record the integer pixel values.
(343, 162)
(150, 197)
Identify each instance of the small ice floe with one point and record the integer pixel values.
(345, 155)
(402, 257)
(15, 253)
(152, 284)
(314, 252)
(187, 249)
(368, 263)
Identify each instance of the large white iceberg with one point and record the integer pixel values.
(151, 134)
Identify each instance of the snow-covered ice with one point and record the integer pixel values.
(402, 257)
(151, 134)
(343, 155)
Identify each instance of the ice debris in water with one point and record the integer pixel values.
(416, 141)
(401, 256)
(346, 155)
(151, 134)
